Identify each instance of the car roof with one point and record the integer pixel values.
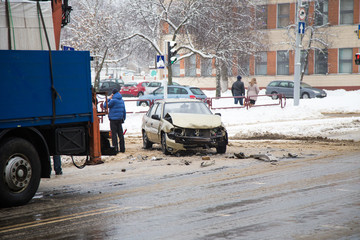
(172, 100)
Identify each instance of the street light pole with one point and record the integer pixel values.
(297, 66)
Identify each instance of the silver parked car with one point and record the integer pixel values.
(181, 124)
(286, 88)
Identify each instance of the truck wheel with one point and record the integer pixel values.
(146, 143)
(20, 172)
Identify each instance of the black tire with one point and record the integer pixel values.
(20, 172)
(146, 143)
(274, 95)
(140, 94)
(305, 96)
(163, 144)
(221, 148)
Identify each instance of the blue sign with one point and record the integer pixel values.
(301, 27)
(160, 61)
(66, 48)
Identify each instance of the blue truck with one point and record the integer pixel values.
(47, 108)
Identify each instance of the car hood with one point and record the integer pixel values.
(199, 121)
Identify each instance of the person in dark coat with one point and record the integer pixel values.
(117, 116)
(238, 89)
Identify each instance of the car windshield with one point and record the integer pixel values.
(197, 91)
(305, 85)
(186, 107)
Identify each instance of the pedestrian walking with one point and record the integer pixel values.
(238, 89)
(117, 116)
(57, 165)
(253, 91)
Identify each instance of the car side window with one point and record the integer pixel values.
(171, 90)
(158, 110)
(182, 91)
(283, 84)
(152, 110)
(291, 85)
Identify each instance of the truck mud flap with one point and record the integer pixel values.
(70, 140)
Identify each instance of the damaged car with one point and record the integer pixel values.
(183, 124)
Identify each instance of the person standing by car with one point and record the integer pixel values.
(253, 91)
(117, 116)
(238, 89)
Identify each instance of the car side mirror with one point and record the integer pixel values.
(219, 114)
(155, 116)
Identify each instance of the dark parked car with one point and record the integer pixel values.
(108, 86)
(286, 88)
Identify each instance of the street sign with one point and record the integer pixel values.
(67, 48)
(302, 14)
(160, 62)
(358, 31)
(301, 27)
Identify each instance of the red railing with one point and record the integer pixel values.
(246, 102)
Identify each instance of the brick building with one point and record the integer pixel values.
(329, 68)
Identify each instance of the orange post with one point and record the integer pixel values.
(95, 140)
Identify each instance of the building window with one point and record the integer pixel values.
(190, 66)
(176, 67)
(345, 60)
(282, 60)
(283, 15)
(321, 61)
(262, 15)
(346, 11)
(206, 67)
(243, 65)
(261, 64)
(302, 61)
(321, 12)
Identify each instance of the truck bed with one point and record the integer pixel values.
(25, 88)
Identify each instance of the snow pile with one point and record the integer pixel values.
(336, 114)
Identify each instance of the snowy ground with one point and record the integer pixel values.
(336, 116)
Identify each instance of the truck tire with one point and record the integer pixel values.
(20, 172)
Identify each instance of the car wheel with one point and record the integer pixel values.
(146, 143)
(274, 95)
(221, 148)
(163, 144)
(140, 94)
(144, 104)
(305, 96)
(20, 170)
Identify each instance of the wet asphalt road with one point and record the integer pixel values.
(296, 199)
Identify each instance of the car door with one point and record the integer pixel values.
(284, 89)
(153, 125)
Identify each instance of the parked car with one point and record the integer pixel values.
(133, 89)
(108, 86)
(173, 92)
(182, 124)
(154, 85)
(286, 88)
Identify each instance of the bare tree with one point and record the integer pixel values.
(317, 35)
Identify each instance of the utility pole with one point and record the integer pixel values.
(300, 29)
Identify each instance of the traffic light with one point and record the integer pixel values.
(357, 58)
(171, 52)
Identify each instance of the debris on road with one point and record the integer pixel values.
(265, 157)
(156, 158)
(207, 163)
(240, 155)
